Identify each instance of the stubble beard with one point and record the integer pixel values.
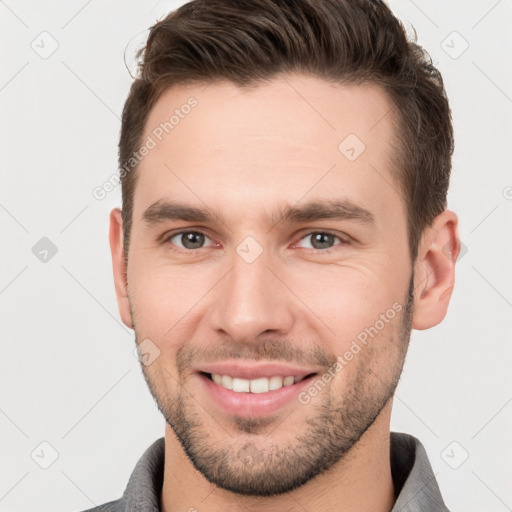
(334, 426)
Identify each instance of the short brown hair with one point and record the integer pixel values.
(250, 42)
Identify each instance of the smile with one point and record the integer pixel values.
(252, 398)
(261, 385)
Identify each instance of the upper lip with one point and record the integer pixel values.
(246, 370)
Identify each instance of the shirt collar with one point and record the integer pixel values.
(414, 480)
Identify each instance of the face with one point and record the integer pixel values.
(269, 254)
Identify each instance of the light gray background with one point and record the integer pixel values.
(69, 377)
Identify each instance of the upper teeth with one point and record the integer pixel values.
(261, 385)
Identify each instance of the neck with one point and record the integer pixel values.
(360, 482)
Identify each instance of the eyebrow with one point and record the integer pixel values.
(163, 210)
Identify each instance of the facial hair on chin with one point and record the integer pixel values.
(333, 428)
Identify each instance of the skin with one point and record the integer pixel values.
(243, 154)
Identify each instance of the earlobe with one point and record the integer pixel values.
(435, 271)
(119, 266)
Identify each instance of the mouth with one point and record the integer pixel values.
(255, 397)
(258, 385)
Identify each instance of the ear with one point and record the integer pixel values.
(119, 266)
(434, 271)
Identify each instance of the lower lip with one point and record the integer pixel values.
(252, 404)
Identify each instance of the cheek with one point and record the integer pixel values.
(165, 297)
(369, 362)
(348, 299)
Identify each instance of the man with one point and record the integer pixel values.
(284, 169)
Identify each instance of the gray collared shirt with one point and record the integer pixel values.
(412, 474)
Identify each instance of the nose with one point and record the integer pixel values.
(252, 300)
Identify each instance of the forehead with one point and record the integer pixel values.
(296, 135)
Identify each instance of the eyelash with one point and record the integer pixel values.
(329, 250)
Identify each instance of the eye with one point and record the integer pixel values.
(189, 240)
(320, 240)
